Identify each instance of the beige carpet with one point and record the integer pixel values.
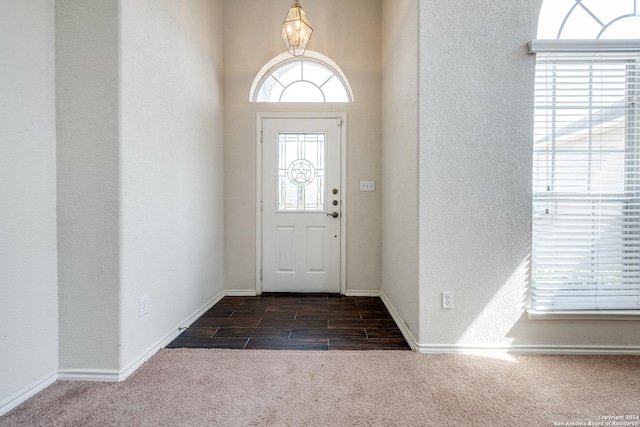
(199, 387)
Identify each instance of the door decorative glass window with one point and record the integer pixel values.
(301, 172)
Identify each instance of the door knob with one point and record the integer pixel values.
(334, 214)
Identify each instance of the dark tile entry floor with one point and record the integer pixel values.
(295, 322)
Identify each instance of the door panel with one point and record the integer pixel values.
(315, 249)
(301, 237)
(286, 249)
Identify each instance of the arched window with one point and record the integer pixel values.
(586, 169)
(589, 19)
(310, 78)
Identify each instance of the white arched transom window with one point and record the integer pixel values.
(589, 19)
(311, 78)
(586, 160)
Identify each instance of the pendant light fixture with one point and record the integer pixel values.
(296, 30)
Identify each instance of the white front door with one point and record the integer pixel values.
(301, 202)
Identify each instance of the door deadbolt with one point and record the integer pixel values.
(335, 203)
(335, 191)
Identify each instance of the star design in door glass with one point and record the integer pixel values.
(301, 172)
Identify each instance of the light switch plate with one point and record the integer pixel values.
(367, 186)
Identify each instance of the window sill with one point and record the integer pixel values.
(585, 315)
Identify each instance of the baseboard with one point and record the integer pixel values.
(98, 375)
(121, 375)
(527, 349)
(162, 343)
(401, 325)
(365, 293)
(240, 293)
(503, 349)
(29, 391)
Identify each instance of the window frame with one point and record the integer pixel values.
(565, 48)
(285, 59)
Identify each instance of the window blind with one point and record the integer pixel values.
(586, 182)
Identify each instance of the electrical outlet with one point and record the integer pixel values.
(447, 300)
(144, 305)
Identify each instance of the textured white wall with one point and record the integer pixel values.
(476, 86)
(141, 173)
(28, 270)
(171, 154)
(88, 189)
(348, 33)
(399, 184)
(476, 98)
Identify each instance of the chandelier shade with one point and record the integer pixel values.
(296, 30)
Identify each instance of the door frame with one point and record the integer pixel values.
(343, 186)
